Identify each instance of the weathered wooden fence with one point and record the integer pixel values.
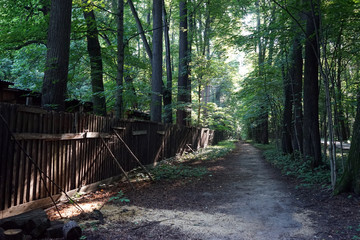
(68, 147)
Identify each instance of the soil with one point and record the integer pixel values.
(242, 197)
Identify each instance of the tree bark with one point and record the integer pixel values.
(311, 132)
(296, 80)
(350, 180)
(119, 109)
(156, 80)
(140, 30)
(168, 89)
(57, 58)
(262, 128)
(286, 141)
(96, 65)
(182, 111)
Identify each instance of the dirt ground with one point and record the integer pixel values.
(242, 197)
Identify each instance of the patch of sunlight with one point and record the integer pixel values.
(214, 224)
(303, 218)
(71, 211)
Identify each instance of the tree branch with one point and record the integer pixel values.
(27, 44)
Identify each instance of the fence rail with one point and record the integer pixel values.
(68, 148)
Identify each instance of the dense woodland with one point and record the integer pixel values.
(271, 70)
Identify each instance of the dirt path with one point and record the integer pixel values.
(241, 198)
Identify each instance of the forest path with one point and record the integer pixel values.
(242, 198)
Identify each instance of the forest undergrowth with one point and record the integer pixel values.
(296, 166)
(177, 167)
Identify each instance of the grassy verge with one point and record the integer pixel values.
(295, 166)
(177, 168)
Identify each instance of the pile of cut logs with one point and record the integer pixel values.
(36, 225)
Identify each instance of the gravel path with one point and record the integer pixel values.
(241, 198)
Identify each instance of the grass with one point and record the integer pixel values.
(295, 166)
(177, 168)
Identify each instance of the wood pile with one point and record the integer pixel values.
(36, 225)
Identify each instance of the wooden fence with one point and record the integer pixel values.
(68, 147)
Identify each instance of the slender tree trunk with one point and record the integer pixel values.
(57, 58)
(119, 110)
(168, 90)
(96, 65)
(286, 141)
(341, 117)
(140, 29)
(182, 113)
(296, 78)
(156, 80)
(262, 128)
(311, 132)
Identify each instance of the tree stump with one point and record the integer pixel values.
(72, 231)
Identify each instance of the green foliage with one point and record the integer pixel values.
(211, 152)
(119, 198)
(293, 165)
(178, 170)
(165, 171)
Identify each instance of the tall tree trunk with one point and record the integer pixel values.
(296, 75)
(286, 141)
(341, 118)
(311, 132)
(262, 128)
(140, 29)
(57, 58)
(168, 90)
(182, 113)
(96, 65)
(206, 54)
(156, 80)
(350, 181)
(119, 110)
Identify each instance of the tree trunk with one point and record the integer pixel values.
(140, 29)
(119, 109)
(156, 80)
(350, 180)
(57, 58)
(286, 141)
(311, 132)
(296, 80)
(168, 90)
(96, 65)
(262, 128)
(132, 103)
(182, 113)
(341, 118)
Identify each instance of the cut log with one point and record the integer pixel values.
(40, 229)
(14, 234)
(10, 224)
(32, 223)
(55, 231)
(72, 231)
(21, 220)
